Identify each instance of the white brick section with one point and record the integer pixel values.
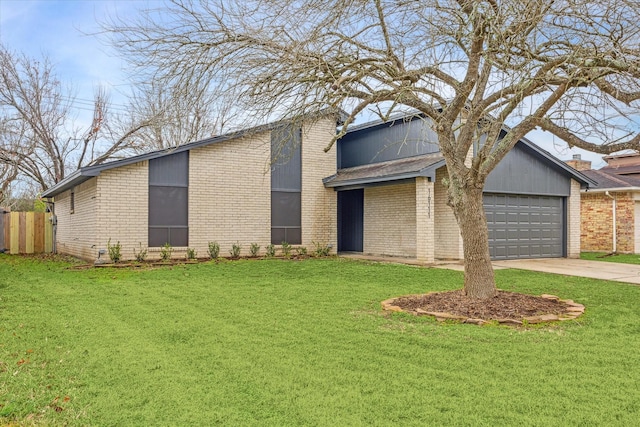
(123, 208)
(229, 199)
(447, 232)
(390, 220)
(230, 194)
(573, 221)
(425, 221)
(76, 232)
(319, 204)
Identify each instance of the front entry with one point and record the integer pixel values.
(350, 220)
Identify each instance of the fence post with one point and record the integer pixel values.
(7, 230)
(29, 232)
(2, 233)
(48, 233)
(14, 233)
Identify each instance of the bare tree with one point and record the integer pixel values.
(178, 118)
(38, 138)
(470, 66)
(8, 174)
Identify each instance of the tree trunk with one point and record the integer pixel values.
(479, 280)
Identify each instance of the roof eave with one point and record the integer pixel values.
(613, 189)
(577, 175)
(76, 178)
(429, 172)
(87, 172)
(371, 181)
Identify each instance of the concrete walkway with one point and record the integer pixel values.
(616, 272)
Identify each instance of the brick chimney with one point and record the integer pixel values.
(577, 163)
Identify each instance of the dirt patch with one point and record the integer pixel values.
(505, 307)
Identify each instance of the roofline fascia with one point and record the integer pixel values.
(613, 189)
(583, 179)
(550, 157)
(95, 170)
(65, 182)
(428, 172)
(364, 181)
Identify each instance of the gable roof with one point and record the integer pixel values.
(87, 172)
(609, 179)
(425, 164)
(582, 178)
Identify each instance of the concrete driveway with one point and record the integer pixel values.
(617, 272)
(614, 271)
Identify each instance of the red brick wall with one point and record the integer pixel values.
(596, 231)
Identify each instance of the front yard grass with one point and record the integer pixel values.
(278, 343)
(621, 258)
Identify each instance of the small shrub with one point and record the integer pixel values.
(270, 251)
(301, 251)
(214, 250)
(254, 249)
(191, 253)
(235, 250)
(286, 250)
(165, 252)
(114, 251)
(141, 254)
(321, 249)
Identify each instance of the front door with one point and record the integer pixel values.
(350, 220)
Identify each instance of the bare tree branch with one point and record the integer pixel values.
(37, 136)
(485, 72)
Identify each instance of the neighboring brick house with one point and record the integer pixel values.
(615, 199)
(379, 191)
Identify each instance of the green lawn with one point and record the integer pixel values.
(622, 258)
(286, 343)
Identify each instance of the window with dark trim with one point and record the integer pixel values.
(286, 185)
(72, 201)
(168, 200)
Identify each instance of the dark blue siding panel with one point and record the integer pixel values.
(389, 141)
(522, 172)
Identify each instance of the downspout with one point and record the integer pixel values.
(615, 233)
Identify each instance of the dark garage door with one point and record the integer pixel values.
(524, 226)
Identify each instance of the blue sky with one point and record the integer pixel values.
(55, 28)
(58, 29)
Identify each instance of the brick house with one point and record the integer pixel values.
(378, 191)
(615, 199)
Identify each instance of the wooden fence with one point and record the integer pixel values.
(27, 232)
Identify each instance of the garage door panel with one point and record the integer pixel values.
(498, 235)
(524, 226)
(499, 217)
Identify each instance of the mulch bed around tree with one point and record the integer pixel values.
(505, 307)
